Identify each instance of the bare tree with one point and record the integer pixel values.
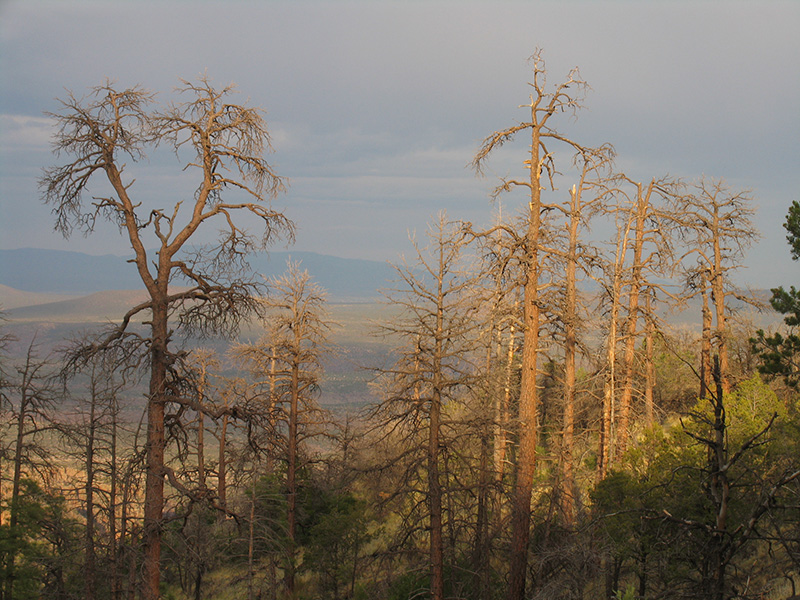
(31, 395)
(92, 435)
(543, 105)
(438, 330)
(651, 249)
(574, 258)
(225, 143)
(290, 355)
(717, 228)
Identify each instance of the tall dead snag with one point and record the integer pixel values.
(612, 281)
(195, 533)
(543, 105)
(650, 247)
(573, 257)
(696, 283)
(649, 366)
(715, 223)
(290, 356)
(203, 361)
(500, 249)
(223, 145)
(437, 327)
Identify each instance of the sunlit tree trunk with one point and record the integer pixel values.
(705, 340)
(90, 571)
(291, 479)
(502, 408)
(649, 366)
(154, 482)
(113, 543)
(608, 429)
(570, 318)
(634, 289)
(718, 296)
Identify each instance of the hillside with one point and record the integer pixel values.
(99, 307)
(13, 298)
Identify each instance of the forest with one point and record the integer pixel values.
(542, 428)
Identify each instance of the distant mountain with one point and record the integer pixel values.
(75, 273)
(64, 272)
(345, 279)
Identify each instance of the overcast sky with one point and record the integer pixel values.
(376, 108)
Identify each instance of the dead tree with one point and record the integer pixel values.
(290, 356)
(492, 422)
(31, 394)
(92, 436)
(433, 371)
(641, 262)
(716, 225)
(223, 144)
(573, 258)
(543, 105)
(651, 249)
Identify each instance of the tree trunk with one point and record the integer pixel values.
(27, 374)
(223, 463)
(154, 483)
(480, 549)
(125, 547)
(705, 343)
(626, 396)
(435, 501)
(480, 560)
(89, 549)
(649, 367)
(434, 484)
(503, 404)
(608, 427)
(291, 477)
(251, 541)
(528, 395)
(570, 318)
(718, 296)
(201, 460)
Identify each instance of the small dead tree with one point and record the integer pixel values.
(290, 357)
(31, 394)
(95, 437)
(223, 144)
(438, 330)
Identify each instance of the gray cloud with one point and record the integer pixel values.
(377, 107)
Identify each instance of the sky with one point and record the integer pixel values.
(377, 108)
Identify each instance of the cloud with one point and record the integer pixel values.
(23, 131)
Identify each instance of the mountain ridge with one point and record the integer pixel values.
(40, 271)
